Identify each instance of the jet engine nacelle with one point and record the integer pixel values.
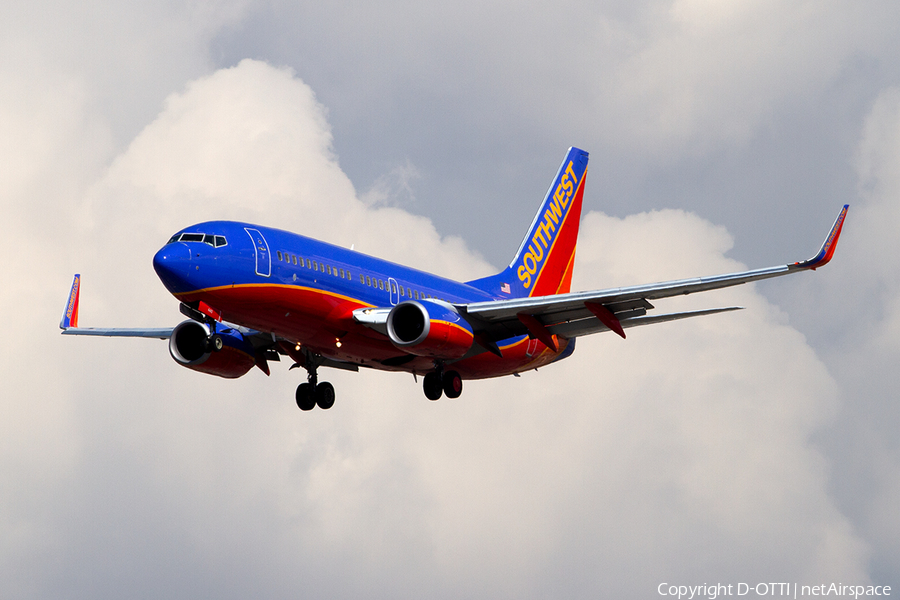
(192, 345)
(427, 328)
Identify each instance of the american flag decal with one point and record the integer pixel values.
(505, 288)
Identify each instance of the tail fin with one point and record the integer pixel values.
(545, 259)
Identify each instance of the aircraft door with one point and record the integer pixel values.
(395, 291)
(261, 250)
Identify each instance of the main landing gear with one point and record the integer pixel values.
(313, 393)
(440, 382)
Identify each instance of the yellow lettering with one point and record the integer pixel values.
(571, 172)
(533, 268)
(549, 223)
(536, 251)
(539, 235)
(524, 276)
(546, 231)
(566, 186)
(554, 212)
(72, 297)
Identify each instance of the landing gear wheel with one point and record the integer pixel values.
(216, 343)
(432, 385)
(452, 384)
(306, 399)
(324, 395)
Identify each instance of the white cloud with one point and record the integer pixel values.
(680, 453)
(862, 301)
(704, 74)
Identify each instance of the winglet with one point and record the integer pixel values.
(70, 312)
(827, 250)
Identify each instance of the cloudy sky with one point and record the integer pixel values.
(754, 446)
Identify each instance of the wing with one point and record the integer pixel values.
(266, 346)
(69, 321)
(615, 309)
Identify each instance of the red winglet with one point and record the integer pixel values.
(70, 312)
(827, 251)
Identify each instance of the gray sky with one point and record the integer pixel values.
(754, 446)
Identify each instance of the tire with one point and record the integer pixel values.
(305, 398)
(324, 395)
(431, 383)
(216, 343)
(452, 384)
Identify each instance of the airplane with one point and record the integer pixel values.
(253, 294)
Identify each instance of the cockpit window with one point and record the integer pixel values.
(216, 241)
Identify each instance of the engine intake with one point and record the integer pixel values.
(225, 354)
(427, 328)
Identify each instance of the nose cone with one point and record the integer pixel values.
(173, 266)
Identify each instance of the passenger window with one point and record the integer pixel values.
(401, 291)
(380, 284)
(315, 266)
(279, 255)
(294, 259)
(342, 273)
(416, 292)
(362, 279)
(368, 281)
(328, 267)
(308, 264)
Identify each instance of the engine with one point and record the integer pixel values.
(225, 353)
(427, 328)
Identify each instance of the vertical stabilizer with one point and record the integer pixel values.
(545, 259)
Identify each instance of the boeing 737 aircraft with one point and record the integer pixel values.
(254, 294)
